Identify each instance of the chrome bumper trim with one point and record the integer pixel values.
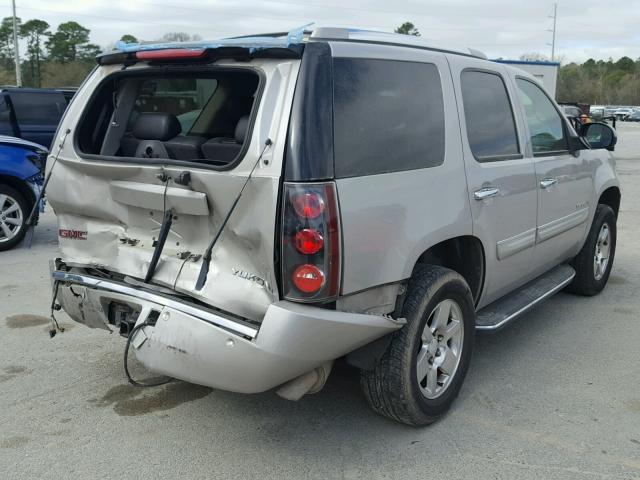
(209, 317)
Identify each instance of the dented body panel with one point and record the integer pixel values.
(215, 349)
(120, 207)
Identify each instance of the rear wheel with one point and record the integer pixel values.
(420, 375)
(13, 217)
(593, 263)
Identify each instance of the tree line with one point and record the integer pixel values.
(600, 82)
(64, 57)
(596, 82)
(60, 58)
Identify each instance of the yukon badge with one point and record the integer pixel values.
(72, 234)
(251, 277)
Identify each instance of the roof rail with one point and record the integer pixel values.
(386, 38)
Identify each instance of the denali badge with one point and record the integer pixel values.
(72, 234)
(252, 278)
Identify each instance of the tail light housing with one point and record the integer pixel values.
(310, 243)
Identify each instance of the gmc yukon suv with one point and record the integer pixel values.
(247, 211)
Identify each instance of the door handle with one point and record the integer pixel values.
(548, 182)
(486, 192)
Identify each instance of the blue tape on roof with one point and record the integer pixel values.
(253, 44)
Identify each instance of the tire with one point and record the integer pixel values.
(13, 208)
(392, 388)
(589, 281)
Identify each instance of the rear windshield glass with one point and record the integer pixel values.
(197, 117)
(388, 116)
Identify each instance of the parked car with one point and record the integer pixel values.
(622, 112)
(343, 194)
(21, 165)
(633, 117)
(32, 114)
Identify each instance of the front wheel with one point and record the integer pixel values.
(593, 263)
(420, 375)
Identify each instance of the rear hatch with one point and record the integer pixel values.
(170, 140)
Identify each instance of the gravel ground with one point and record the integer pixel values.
(555, 396)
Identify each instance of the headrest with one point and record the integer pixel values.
(156, 126)
(241, 129)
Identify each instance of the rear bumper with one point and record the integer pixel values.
(213, 348)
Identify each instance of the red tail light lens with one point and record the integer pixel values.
(310, 248)
(308, 241)
(308, 278)
(308, 204)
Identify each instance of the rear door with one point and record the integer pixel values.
(564, 179)
(501, 180)
(38, 114)
(111, 208)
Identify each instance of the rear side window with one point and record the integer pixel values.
(388, 116)
(491, 128)
(38, 108)
(546, 127)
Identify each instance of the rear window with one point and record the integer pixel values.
(388, 116)
(183, 97)
(198, 116)
(491, 128)
(36, 109)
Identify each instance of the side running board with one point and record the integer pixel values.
(506, 309)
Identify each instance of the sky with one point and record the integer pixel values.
(598, 29)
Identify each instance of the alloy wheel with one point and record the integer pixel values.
(11, 218)
(601, 255)
(441, 349)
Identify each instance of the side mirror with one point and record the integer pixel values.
(599, 135)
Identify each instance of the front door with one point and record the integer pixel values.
(501, 181)
(564, 180)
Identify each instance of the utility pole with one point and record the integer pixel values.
(16, 53)
(553, 38)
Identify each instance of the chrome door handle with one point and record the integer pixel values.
(486, 192)
(548, 182)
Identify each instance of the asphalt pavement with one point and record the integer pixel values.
(555, 396)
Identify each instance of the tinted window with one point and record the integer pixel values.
(34, 108)
(491, 128)
(388, 116)
(545, 124)
(5, 117)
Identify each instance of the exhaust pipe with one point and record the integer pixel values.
(307, 383)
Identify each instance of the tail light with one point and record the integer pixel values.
(310, 250)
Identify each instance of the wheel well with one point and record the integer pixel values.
(464, 255)
(20, 186)
(611, 197)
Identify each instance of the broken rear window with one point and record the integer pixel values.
(199, 117)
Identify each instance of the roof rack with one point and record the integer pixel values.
(386, 38)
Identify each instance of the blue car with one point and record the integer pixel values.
(32, 114)
(21, 178)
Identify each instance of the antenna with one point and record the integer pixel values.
(553, 31)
